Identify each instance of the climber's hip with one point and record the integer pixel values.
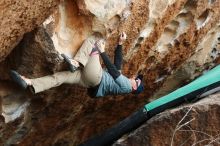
(92, 72)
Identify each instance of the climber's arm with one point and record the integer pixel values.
(112, 70)
(118, 59)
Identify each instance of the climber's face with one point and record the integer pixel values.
(133, 83)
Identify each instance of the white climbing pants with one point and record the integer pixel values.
(89, 76)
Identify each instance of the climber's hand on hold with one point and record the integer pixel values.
(100, 44)
(122, 38)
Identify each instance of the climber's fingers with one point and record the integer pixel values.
(123, 36)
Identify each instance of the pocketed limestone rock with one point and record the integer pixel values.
(205, 57)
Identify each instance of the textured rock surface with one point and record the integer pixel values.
(19, 17)
(70, 28)
(205, 57)
(194, 124)
(169, 41)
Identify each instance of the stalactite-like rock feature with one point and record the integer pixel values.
(75, 21)
(71, 28)
(170, 42)
(19, 17)
(105, 9)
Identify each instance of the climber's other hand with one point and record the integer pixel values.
(122, 38)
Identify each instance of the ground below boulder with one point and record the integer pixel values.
(196, 124)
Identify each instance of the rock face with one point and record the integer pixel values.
(19, 17)
(194, 124)
(169, 41)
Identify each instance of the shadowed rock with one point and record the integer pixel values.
(192, 124)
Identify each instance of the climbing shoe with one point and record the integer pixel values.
(16, 77)
(71, 66)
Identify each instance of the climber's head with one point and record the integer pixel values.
(137, 84)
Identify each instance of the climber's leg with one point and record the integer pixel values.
(47, 82)
(92, 72)
(85, 50)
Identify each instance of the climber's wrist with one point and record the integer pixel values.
(120, 42)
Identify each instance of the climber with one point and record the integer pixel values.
(86, 70)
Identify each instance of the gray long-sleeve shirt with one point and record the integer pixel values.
(110, 86)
